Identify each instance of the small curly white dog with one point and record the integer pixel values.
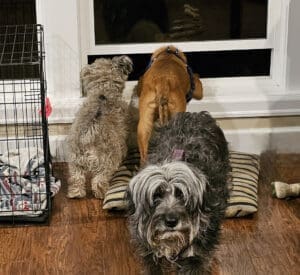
(98, 136)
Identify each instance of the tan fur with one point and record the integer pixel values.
(162, 93)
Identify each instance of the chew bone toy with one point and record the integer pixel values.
(282, 190)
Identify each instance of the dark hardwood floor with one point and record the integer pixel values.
(84, 239)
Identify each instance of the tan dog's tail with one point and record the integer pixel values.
(162, 100)
(163, 111)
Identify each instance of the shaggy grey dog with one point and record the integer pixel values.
(98, 136)
(177, 201)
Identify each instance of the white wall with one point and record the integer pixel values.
(61, 23)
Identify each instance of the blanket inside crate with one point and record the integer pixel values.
(22, 183)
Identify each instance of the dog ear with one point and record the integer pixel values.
(198, 92)
(158, 52)
(124, 63)
(181, 55)
(130, 209)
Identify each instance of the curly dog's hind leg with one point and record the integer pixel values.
(76, 183)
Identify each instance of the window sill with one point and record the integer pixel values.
(250, 97)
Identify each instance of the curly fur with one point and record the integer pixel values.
(177, 206)
(97, 140)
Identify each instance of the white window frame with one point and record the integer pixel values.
(89, 47)
(69, 34)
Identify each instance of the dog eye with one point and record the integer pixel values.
(178, 193)
(102, 97)
(158, 194)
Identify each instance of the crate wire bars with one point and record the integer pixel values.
(24, 142)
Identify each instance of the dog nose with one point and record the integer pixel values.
(171, 220)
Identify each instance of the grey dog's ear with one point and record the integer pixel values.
(124, 63)
(130, 209)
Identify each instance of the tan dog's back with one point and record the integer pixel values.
(162, 92)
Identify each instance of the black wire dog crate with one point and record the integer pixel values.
(24, 142)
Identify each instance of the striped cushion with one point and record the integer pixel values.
(243, 194)
(115, 195)
(244, 177)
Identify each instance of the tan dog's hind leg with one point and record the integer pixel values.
(198, 92)
(144, 131)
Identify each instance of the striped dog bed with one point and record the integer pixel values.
(243, 194)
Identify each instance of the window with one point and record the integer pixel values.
(134, 21)
(188, 24)
(212, 64)
(16, 12)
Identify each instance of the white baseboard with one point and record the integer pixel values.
(258, 140)
(280, 139)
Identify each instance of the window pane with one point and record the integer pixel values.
(138, 21)
(17, 12)
(212, 64)
(16, 38)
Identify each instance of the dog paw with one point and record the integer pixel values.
(76, 193)
(99, 187)
(99, 194)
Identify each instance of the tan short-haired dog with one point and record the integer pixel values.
(164, 89)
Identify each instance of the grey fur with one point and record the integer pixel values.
(98, 136)
(176, 207)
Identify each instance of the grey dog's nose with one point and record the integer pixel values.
(171, 220)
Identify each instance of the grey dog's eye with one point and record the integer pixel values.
(178, 193)
(102, 97)
(158, 194)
